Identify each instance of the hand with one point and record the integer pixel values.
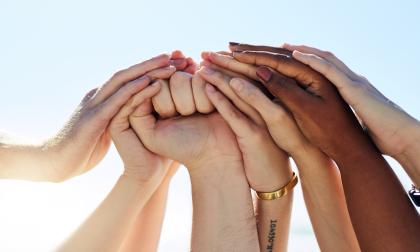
(196, 141)
(391, 128)
(266, 166)
(84, 140)
(314, 102)
(139, 163)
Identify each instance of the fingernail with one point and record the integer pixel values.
(177, 62)
(237, 84)
(208, 70)
(297, 54)
(210, 88)
(264, 73)
(233, 43)
(205, 63)
(285, 45)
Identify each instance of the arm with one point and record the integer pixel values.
(148, 224)
(320, 178)
(393, 130)
(323, 117)
(83, 141)
(266, 166)
(106, 228)
(223, 219)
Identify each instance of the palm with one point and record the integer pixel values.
(193, 139)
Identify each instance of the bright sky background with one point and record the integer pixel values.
(52, 52)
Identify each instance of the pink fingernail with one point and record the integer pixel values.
(208, 70)
(264, 73)
(210, 88)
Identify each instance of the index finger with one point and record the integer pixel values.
(284, 64)
(120, 78)
(233, 46)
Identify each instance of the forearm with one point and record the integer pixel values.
(107, 227)
(223, 216)
(409, 159)
(382, 215)
(325, 200)
(146, 229)
(273, 218)
(28, 161)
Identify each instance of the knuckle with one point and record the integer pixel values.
(117, 74)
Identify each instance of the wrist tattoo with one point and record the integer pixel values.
(271, 235)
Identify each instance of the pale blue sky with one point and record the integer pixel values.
(52, 52)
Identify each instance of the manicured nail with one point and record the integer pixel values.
(264, 73)
(208, 70)
(237, 84)
(210, 88)
(233, 43)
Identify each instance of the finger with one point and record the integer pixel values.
(329, 70)
(285, 65)
(161, 73)
(202, 102)
(233, 46)
(192, 66)
(182, 94)
(143, 123)
(162, 101)
(256, 99)
(111, 106)
(177, 54)
(121, 118)
(238, 122)
(179, 64)
(286, 89)
(221, 69)
(328, 56)
(221, 81)
(88, 96)
(122, 77)
(236, 75)
(231, 64)
(138, 99)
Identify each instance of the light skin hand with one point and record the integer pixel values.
(84, 140)
(143, 172)
(208, 148)
(266, 166)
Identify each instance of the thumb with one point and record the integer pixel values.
(286, 89)
(143, 122)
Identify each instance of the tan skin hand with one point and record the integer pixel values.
(85, 139)
(266, 166)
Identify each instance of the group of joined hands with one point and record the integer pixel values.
(234, 121)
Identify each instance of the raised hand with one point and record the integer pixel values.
(394, 131)
(144, 171)
(327, 121)
(208, 148)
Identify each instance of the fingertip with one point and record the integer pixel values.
(205, 55)
(264, 73)
(237, 84)
(210, 89)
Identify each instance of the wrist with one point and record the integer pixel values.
(408, 158)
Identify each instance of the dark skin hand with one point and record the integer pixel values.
(382, 215)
